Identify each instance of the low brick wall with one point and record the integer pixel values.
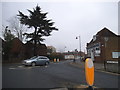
(112, 66)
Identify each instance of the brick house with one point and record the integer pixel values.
(104, 46)
(29, 49)
(17, 50)
(20, 51)
(41, 49)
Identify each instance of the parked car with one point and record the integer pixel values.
(36, 60)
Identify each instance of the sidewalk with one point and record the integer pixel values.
(97, 66)
(81, 64)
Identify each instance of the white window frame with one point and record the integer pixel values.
(115, 54)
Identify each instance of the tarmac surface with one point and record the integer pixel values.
(61, 75)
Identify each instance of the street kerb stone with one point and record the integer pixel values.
(59, 89)
(82, 87)
(98, 67)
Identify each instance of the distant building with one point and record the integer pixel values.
(51, 49)
(69, 56)
(104, 46)
(74, 55)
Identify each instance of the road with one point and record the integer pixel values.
(55, 75)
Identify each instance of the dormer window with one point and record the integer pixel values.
(94, 37)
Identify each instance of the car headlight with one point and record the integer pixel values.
(28, 61)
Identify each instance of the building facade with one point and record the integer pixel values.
(74, 55)
(20, 51)
(51, 49)
(104, 46)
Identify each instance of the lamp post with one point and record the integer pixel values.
(105, 45)
(65, 48)
(78, 37)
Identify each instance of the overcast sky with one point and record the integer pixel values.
(71, 18)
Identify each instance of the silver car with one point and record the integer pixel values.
(36, 60)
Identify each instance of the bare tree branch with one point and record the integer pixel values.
(17, 28)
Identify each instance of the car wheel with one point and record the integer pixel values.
(33, 64)
(46, 63)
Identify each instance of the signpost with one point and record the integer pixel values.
(89, 72)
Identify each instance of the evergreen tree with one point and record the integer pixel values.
(8, 37)
(37, 20)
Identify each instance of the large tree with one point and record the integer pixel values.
(37, 20)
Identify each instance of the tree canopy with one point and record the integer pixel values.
(7, 35)
(37, 20)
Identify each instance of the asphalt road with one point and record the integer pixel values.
(55, 75)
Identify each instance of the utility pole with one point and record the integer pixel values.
(78, 37)
(105, 45)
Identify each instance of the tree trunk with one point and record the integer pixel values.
(35, 42)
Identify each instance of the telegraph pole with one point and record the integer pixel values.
(78, 37)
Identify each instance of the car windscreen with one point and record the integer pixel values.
(33, 57)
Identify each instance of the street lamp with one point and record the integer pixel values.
(65, 48)
(78, 37)
(105, 45)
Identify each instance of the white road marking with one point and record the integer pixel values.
(29, 67)
(12, 68)
(23, 67)
(46, 66)
(20, 66)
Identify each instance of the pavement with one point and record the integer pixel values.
(81, 64)
(97, 66)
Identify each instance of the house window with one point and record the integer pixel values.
(115, 54)
(94, 37)
(97, 48)
(97, 51)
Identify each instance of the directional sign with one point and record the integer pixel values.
(89, 71)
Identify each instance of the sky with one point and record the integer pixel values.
(72, 18)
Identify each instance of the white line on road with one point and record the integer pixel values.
(20, 66)
(12, 68)
(28, 68)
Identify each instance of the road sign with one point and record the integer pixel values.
(89, 71)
